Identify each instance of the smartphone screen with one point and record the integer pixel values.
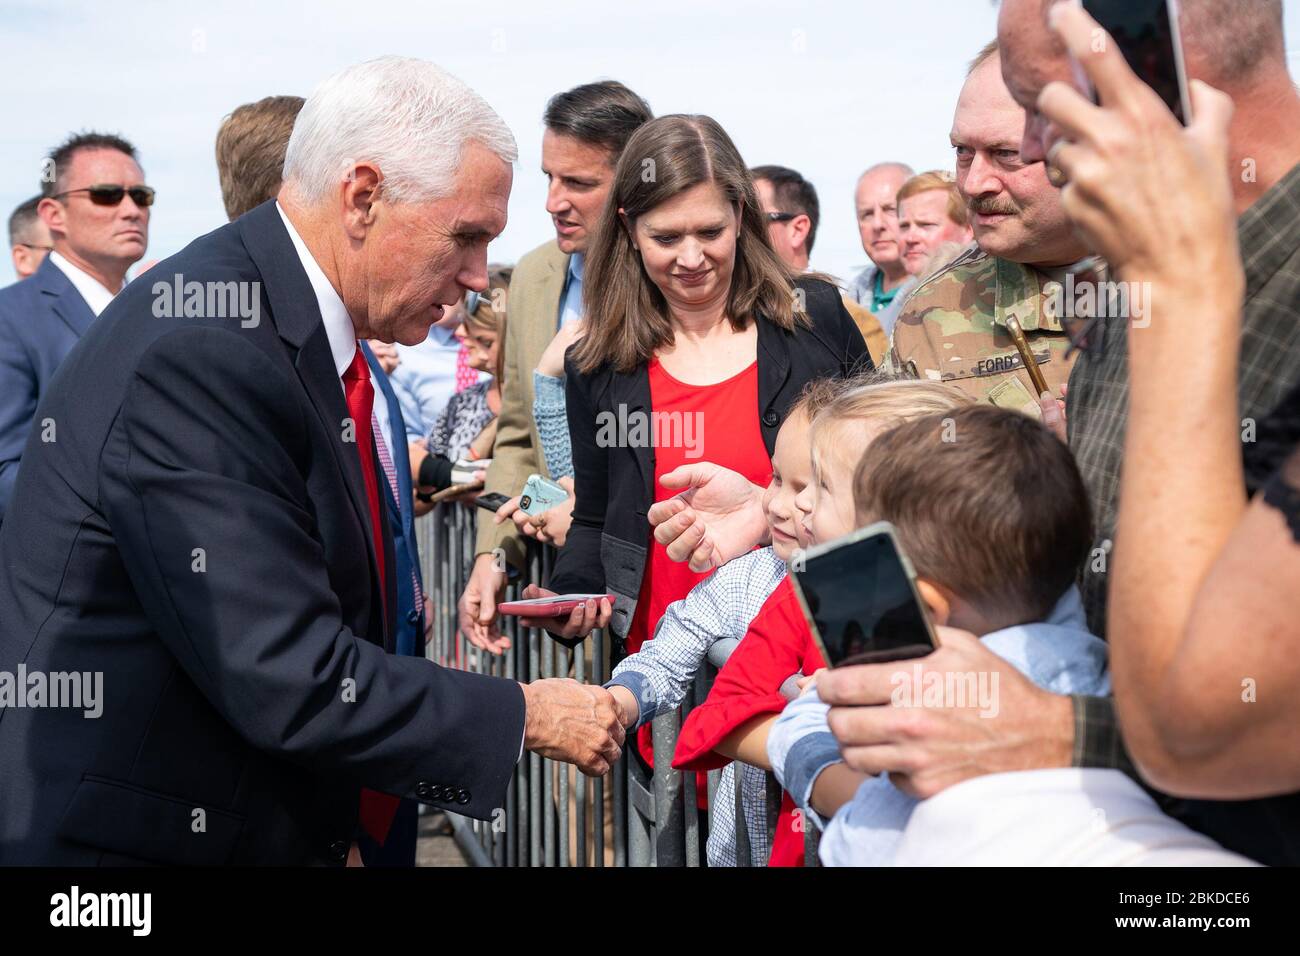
(1148, 38)
(860, 603)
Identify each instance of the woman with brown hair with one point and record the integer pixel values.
(698, 341)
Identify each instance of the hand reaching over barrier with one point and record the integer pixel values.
(719, 516)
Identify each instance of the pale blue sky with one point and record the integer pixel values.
(826, 86)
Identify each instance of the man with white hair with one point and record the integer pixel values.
(880, 286)
(205, 532)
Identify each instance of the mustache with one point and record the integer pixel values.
(992, 207)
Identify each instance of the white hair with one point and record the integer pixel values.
(410, 118)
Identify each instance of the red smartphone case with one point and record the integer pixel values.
(552, 609)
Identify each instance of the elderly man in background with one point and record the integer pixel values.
(29, 238)
(880, 286)
(207, 532)
(251, 145)
(954, 325)
(792, 210)
(96, 209)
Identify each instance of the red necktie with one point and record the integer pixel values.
(377, 809)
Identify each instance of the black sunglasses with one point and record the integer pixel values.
(780, 216)
(108, 195)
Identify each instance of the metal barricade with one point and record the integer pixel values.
(554, 815)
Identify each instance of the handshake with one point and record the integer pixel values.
(581, 724)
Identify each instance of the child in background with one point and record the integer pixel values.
(741, 591)
(467, 426)
(990, 509)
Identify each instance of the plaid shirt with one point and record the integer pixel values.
(1269, 235)
(719, 608)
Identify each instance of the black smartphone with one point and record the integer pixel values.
(491, 500)
(1146, 32)
(859, 596)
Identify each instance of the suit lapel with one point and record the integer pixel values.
(548, 293)
(65, 301)
(298, 321)
(773, 364)
(630, 394)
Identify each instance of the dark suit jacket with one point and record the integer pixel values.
(199, 535)
(409, 637)
(41, 319)
(606, 547)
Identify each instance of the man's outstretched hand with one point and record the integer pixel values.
(580, 724)
(719, 516)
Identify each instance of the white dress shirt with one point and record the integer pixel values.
(338, 324)
(92, 292)
(333, 313)
(571, 301)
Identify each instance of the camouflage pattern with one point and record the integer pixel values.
(953, 329)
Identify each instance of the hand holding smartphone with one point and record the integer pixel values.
(552, 606)
(1146, 32)
(541, 494)
(491, 500)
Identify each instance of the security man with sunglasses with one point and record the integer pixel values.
(96, 205)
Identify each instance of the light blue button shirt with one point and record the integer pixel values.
(571, 303)
(425, 380)
(1057, 654)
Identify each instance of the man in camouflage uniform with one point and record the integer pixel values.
(953, 327)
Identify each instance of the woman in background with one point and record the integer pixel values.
(467, 426)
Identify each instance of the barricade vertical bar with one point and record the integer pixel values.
(507, 853)
(639, 847)
(669, 845)
(690, 805)
(580, 780)
(548, 801)
(534, 763)
(564, 813)
(744, 852)
(617, 829)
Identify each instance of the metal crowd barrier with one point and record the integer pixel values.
(554, 815)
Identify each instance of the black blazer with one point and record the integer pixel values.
(198, 534)
(614, 487)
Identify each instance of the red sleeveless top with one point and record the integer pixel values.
(691, 424)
